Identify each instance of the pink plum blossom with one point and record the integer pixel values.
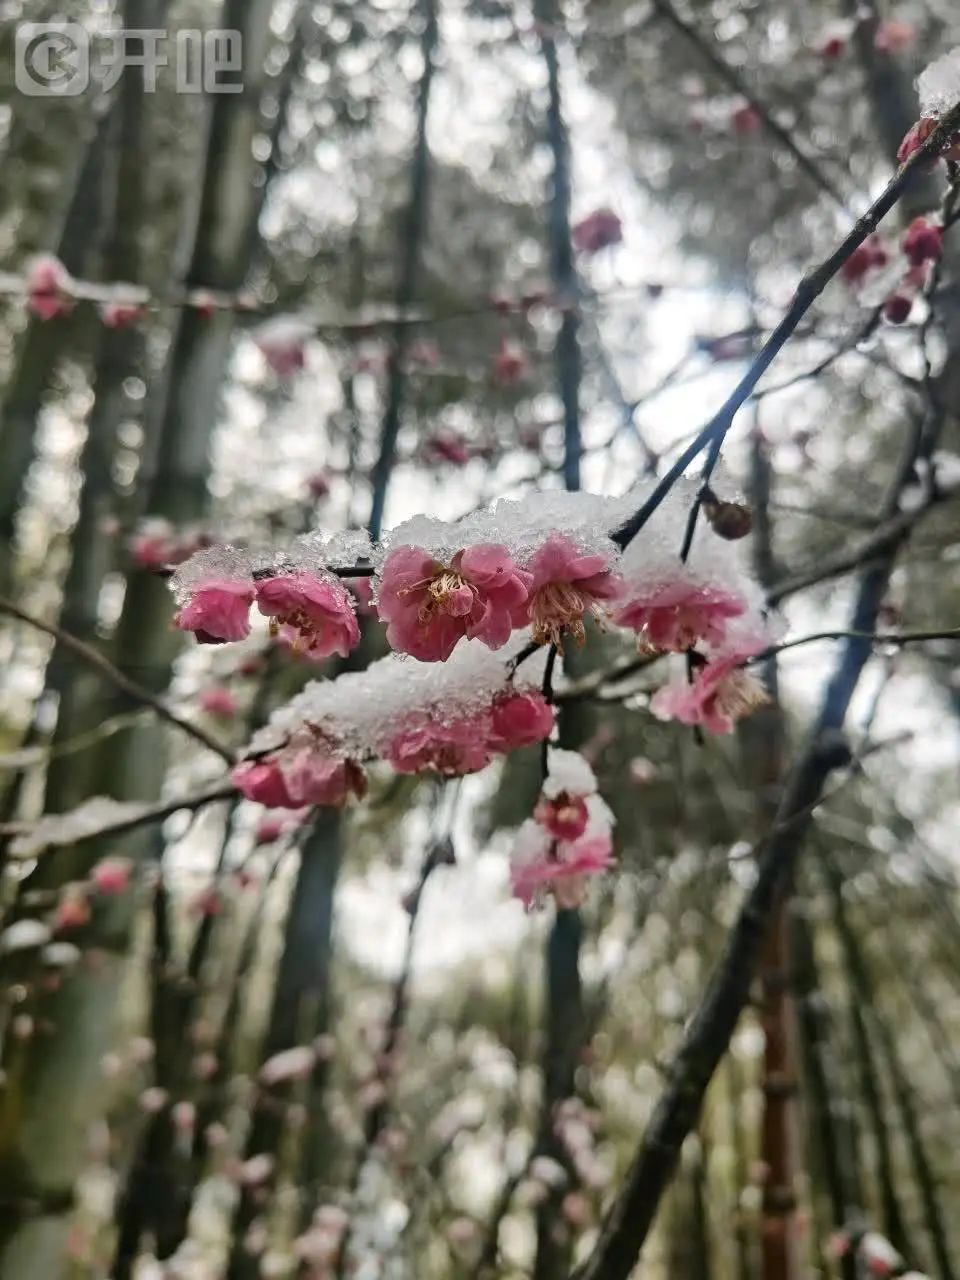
(917, 135)
(746, 120)
(121, 315)
(272, 826)
(429, 606)
(311, 778)
(897, 307)
(49, 288)
(922, 241)
(313, 614)
(564, 816)
(720, 693)
(894, 36)
(282, 342)
(520, 720)
(218, 611)
(563, 870)
(263, 781)
(218, 701)
(151, 550)
(111, 876)
(510, 364)
(446, 446)
(450, 749)
(676, 616)
(72, 912)
(424, 353)
(871, 253)
(567, 584)
(599, 230)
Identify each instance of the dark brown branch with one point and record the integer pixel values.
(712, 435)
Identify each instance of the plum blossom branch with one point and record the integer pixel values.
(708, 1034)
(734, 81)
(845, 561)
(58, 832)
(713, 433)
(893, 638)
(415, 228)
(105, 667)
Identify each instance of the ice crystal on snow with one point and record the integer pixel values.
(361, 711)
(939, 84)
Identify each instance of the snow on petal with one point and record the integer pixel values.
(677, 615)
(450, 748)
(568, 839)
(568, 772)
(282, 341)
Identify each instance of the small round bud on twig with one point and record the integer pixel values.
(730, 520)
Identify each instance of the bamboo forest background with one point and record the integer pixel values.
(404, 175)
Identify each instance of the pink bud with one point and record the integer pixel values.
(897, 308)
(510, 364)
(893, 36)
(319, 485)
(183, 1116)
(121, 315)
(425, 353)
(832, 47)
(746, 120)
(111, 876)
(922, 241)
(207, 904)
(49, 288)
(218, 701)
(73, 912)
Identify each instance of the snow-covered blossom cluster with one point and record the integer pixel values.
(568, 839)
(454, 594)
(451, 720)
(938, 87)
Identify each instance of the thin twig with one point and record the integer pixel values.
(707, 49)
(137, 692)
(143, 817)
(895, 638)
(713, 433)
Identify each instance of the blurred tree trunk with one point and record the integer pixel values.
(43, 342)
(831, 1116)
(175, 461)
(79, 690)
(565, 1017)
(53, 1090)
(763, 743)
